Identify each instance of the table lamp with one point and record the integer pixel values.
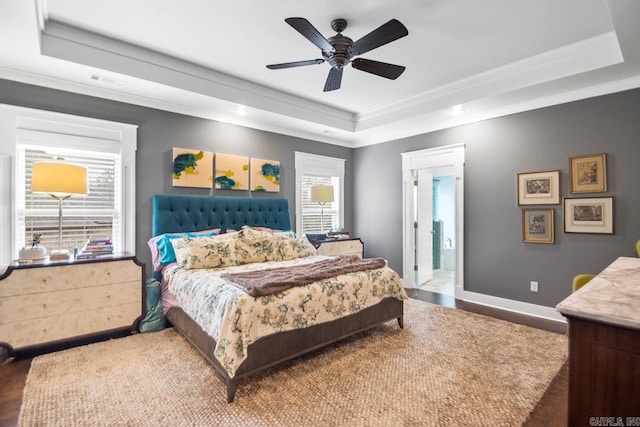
(322, 194)
(60, 181)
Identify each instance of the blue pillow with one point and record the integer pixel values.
(167, 254)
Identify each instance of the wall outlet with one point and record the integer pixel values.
(534, 286)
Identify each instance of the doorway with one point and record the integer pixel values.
(435, 268)
(433, 219)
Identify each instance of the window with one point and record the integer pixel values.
(315, 217)
(106, 148)
(97, 214)
(313, 170)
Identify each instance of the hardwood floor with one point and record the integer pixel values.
(13, 375)
(550, 411)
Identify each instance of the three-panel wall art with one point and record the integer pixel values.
(587, 174)
(195, 168)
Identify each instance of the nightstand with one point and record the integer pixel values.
(336, 247)
(61, 303)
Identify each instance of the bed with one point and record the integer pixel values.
(235, 215)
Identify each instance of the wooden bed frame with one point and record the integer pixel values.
(179, 213)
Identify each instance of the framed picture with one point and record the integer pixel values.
(593, 215)
(537, 225)
(539, 188)
(588, 174)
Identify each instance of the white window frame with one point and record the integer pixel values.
(19, 125)
(315, 164)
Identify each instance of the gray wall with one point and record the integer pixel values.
(160, 131)
(497, 262)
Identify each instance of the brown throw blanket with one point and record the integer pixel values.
(266, 282)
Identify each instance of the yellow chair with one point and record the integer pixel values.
(580, 280)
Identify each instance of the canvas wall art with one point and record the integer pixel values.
(232, 172)
(192, 168)
(265, 175)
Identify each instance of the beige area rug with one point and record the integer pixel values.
(446, 367)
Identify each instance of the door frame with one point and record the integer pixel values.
(449, 156)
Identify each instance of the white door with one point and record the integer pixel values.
(424, 225)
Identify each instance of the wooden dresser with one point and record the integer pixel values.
(66, 302)
(336, 247)
(604, 347)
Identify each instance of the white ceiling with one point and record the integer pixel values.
(203, 58)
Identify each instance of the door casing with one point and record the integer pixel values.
(452, 158)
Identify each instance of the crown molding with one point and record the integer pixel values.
(70, 43)
(579, 57)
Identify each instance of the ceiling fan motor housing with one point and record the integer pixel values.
(341, 56)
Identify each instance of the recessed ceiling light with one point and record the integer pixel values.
(457, 110)
(241, 110)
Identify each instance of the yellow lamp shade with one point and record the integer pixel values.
(60, 180)
(322, 193)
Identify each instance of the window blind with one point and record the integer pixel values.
(312, 214)
(97, 214)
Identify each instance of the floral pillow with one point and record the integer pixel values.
(162, 251)
(291, 247)
(256, 246)
(206, 251)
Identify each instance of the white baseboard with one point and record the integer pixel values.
(514, 306)
(529, 309)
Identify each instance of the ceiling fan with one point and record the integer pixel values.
(339, 50)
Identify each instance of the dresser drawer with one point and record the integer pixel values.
(55, 303)
(69, 325)
(69, 276)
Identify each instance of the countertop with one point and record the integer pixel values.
(612, 297)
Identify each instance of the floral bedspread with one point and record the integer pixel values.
(235, 319)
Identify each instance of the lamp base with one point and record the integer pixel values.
(59, 254)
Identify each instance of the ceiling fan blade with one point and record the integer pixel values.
(382, 69)
(295, 64)
(333, 80)
(305, 28)
(386, 33)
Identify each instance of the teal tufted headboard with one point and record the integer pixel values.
(180, 213)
